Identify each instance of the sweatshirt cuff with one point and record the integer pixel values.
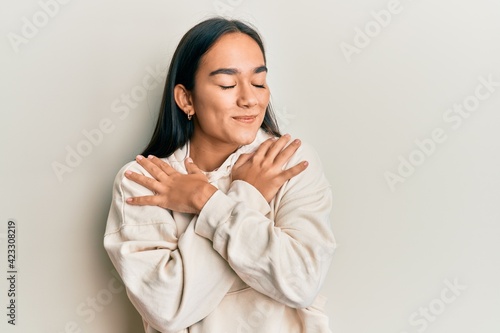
(241, 191)
(219, 208)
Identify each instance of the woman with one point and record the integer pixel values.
(225, 226)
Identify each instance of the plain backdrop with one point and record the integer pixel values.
(401, 99)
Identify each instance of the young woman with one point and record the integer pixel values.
(224, 226)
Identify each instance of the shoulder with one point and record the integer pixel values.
(130, 166)
(122, 184)
(312, 179)
(137, 168)
(306, 152)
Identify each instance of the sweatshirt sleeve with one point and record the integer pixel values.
(285, 257)
(174, 280)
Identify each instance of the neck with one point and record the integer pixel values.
(209, 156)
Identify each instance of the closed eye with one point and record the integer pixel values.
(255, 85)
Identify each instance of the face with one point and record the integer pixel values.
(230, 96)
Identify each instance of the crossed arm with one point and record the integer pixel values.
(189, 192)
(176, 280)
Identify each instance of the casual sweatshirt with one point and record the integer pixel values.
(241, 265)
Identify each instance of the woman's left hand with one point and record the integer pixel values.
(185, 193)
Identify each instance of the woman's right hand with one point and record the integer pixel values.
(186, 193)
(264, 168)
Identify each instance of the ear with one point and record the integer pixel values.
(183, 99)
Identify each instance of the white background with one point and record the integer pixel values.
(398, 248)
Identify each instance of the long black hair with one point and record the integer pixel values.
(173, 129)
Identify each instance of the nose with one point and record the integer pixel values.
(247, 97)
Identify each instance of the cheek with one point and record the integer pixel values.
(265, 97)
(213, 101)
(211, 112)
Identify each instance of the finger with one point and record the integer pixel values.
(278, 146)
(264, 147)
(242, 159)
(191, 167)
(294, 171)
(145, 181)
(148, 200)
(285, 154)
(150, 167)
(162, 165)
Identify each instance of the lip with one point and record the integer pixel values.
(245, 119)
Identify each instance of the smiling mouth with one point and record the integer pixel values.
(245, 119)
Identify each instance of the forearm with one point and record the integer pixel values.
(285, 256)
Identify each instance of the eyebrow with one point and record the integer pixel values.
(233, 71)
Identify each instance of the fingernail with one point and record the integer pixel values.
(128, 172)
(296, 141)
(129, 200)
(306, 163)
(139, 157)
(189, 160)
(150, 157)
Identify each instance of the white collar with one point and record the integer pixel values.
(176, 160)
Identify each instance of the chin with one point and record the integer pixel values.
(246, 138)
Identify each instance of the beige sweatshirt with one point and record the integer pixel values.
(241, 265)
